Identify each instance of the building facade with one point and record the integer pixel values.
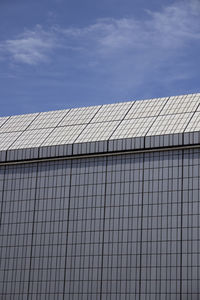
(102, 203)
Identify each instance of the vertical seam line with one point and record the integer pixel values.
(181, 237)
(67, 230)
(34, 209)
(102, 253)
(140, 261)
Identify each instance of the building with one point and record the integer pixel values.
(102, 202)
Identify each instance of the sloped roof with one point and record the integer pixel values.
(153, 117)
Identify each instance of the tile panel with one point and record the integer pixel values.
(97, 132)
(169, 124)
(48, 119)
(112, 112)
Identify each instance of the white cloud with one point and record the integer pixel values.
(31, 47)
(114, 44)
(132, 52)
(169, 28)
(177, 23)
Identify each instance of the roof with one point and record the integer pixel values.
(123, 121)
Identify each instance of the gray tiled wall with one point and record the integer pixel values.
(118, 227)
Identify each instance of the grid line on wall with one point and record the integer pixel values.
(181, 238)
(101, 285)
(140, 264)
(2, 199)
(31, 254)
(67, 229)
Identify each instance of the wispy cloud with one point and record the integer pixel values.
(131, 52)
(177, 24)
(31, 47)
(124, 48)
(172, 27)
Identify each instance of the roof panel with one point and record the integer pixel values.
(181, 104)
(175, 123)
(133, 128)
(18, 123)
(198, 108)
(112, 112)
(78, 116)
(48, 119)
(7, 139)
(97, 132)
(31, 138)
(194, 124)
(146, 108)
(97, 123)
(3, 120)
(64, 135)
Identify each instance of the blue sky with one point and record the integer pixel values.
(57, 54)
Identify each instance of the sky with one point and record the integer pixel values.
(57, 54)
